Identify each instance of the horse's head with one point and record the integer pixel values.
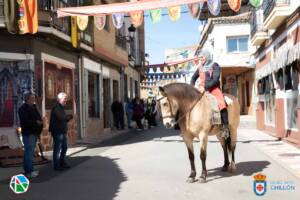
(168, 107)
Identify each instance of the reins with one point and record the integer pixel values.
(189, 110)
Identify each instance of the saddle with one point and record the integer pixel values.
(216, 115)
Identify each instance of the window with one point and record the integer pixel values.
(237, 44)
(93, 91)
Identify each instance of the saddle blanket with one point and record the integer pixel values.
(216, 115)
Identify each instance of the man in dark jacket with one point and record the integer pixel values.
(59, 128)
(118, 114)
(31, 126)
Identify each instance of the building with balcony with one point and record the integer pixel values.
(93, 74)
(228, 40)
(277, 67)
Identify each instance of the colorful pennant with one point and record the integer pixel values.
(155, 15)
(118, 20)
(194, 9)
(100, 21)
(136, 18)
(82, 22)
(214, 6)
(235, 5)
(28, 19)
(174, 13)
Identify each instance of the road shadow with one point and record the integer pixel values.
(94, 177)
(248, 168)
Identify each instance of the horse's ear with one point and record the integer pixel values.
(162, 90)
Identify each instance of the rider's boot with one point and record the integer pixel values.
(224, 119)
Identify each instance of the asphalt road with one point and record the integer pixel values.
(154, 165)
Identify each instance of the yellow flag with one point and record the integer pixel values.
(74, 35)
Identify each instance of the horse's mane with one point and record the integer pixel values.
(184, 93)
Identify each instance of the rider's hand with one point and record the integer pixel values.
(201, 89)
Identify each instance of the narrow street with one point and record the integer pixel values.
(154, 165)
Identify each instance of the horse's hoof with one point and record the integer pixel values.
(225, 168)
(202, 179)
(232, 168)
(191, 180)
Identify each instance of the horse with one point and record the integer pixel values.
(194, 118)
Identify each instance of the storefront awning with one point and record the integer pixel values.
(285, 55)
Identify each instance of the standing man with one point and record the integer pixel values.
(59, 128)
(31, 126)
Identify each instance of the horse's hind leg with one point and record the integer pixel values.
(203, 146)
(225, 151)
(189, 144)
(232, 166)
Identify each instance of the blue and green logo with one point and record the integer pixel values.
(19, 184)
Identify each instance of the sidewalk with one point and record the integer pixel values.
(284, 153)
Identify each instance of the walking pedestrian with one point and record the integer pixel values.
(138, 113)
(59, 128)
(129, 112)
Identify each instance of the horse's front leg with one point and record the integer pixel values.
(203, 146)
(189, 144)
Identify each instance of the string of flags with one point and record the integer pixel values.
(136, 10)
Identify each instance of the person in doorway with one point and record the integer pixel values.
(59, 128)
(118, 114)
(31, 126)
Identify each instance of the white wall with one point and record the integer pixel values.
(219, 36)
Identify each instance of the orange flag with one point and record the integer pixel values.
(28, 22)
(235, 5)
(136, 18)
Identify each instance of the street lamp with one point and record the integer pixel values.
(131, 31)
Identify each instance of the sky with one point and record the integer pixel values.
(167, 34)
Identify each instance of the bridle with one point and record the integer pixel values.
(171, 111)
(188, 111)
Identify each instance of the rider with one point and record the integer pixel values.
(208, 73)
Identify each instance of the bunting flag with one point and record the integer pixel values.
(74, 32)
(100, 21)
(136, 18)
(154, 69)
(174, 13)
(28, 19)
(155, 15)
(194, 9)
(124, 7)
(82, 22)
(162, 68)
(118, 20)
(235, 5)
(214, 6)
(256, 3)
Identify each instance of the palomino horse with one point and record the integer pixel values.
(195, 113)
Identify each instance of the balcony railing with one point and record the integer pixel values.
(48, 18)
(1, 13)
(268, 5)
(256, 22)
